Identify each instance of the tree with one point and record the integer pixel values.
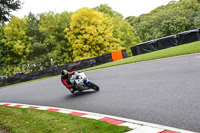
(166, 20)
(33, 23)
(127, 35)
(6, 6)
(91, 34)
(108, 10)
(52, 28)
(62, 53)
(16, 46)
(131, 19)
(122, 29)
(35, 42)
(174, 25)
(39, 57)
(197, 18)
(2, 65)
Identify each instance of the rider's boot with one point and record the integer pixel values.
(71, 90)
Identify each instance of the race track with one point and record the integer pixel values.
(163, 91)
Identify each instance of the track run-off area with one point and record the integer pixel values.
(163, 91)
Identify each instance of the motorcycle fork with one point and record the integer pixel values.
(87, 82)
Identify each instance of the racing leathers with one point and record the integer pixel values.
(65, 79)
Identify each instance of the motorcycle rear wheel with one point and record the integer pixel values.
(94, 86)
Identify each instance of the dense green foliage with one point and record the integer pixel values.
(167, 20)
(36, 42)
(122, 29)
(1, 50)
(6, 6)
(16, 46)
(91, 34)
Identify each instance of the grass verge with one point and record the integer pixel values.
(20, 120)
(169, 52)
(173, 51)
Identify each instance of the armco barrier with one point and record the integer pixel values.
(77, 65)
(147, 47)
(124, 54)
(103, 59)
(199, 31)
(134, 50)
(166, 42)
(188, 36)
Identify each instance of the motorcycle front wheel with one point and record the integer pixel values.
(94, 86)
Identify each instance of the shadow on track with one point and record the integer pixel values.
(80, 94)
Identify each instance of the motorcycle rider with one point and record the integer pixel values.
(65, 78)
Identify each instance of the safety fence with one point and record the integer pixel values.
(55, 70)
(166, 42)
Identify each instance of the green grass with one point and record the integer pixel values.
(20, 120)
(169, 52)
(173, 51)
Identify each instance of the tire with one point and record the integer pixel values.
(94, 86)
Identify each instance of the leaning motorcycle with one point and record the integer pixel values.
(82, 83)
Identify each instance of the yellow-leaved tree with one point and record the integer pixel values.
(91, 34)
(16, 46)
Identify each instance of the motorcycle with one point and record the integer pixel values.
(82, 83)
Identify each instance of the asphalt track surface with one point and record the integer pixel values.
(163, 91)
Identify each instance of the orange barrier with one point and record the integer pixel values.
(117, 55)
